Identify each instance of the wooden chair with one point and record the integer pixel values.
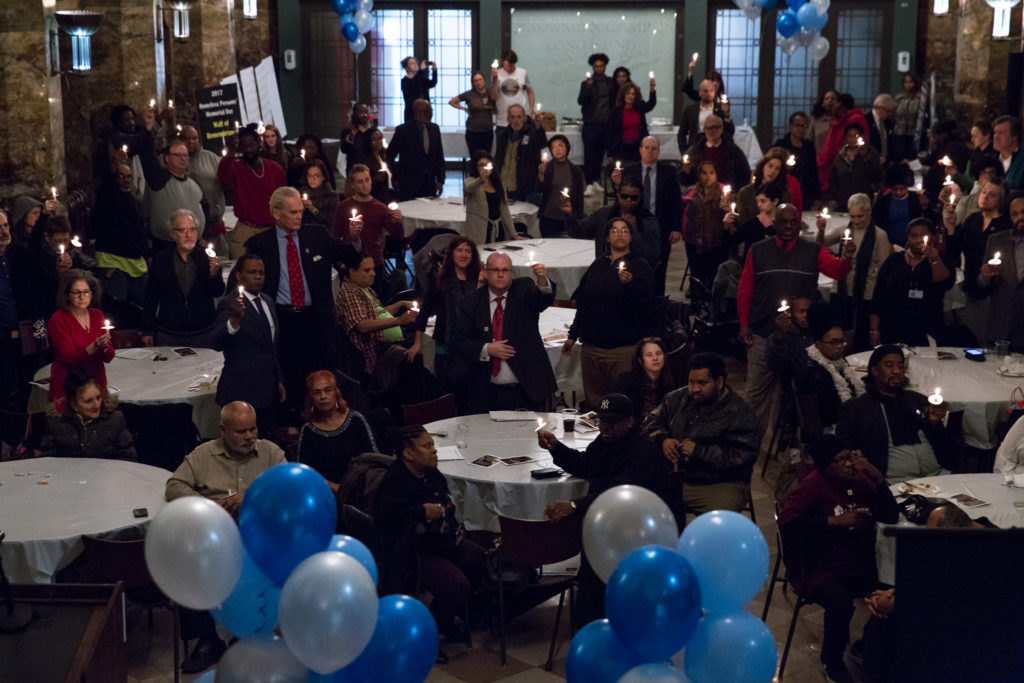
(126, 339)
(440, 408)
(528, 543)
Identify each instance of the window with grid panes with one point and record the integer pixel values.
(390, 41)
(450, 44)
(795, 88)
(737, 50)
(858, 48)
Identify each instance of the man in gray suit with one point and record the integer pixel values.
(1004, 283)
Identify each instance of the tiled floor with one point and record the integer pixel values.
(528, 636)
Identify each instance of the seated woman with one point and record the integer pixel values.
(907, 302)
(615, 307)
(771, 168)
(319, 199)
(414, 495)
(488, 218)
(332, 434)
(704, 232)
(76, 333)
(87, 429)
(827, 376)
(648, 382)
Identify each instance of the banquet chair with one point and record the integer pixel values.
(789, 552)
(784, 579)
(440, 408)
(533, 544)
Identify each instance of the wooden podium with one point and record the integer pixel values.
(76, 635)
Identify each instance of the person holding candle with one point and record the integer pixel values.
(355, 139)
(646, 231)
(805, 165)
(365, 222)
(826, 375)
(273, 148)
(517, 155)
(907, 302)
(246, 332)
(554, 177)
(380, 172)
(76, 334)
(999, 283)
(310, 148)
(628, 122)
(510, 85)
(488, 218)
(844, 113)
(416, 155)
(695, 115)
(770, 168)
(480, 109)
(743, 235)
(319, 199)
(704, 230)
(253, 180)
(730, 162)
(596, 98)
(615, 308)
(29, 217)
(857, 168)
(183, 284)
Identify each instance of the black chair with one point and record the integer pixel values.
(439, 408)
(163, 434)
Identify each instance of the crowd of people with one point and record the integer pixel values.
(337, 360)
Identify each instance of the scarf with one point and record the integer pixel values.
(843, 376)
(904, 422)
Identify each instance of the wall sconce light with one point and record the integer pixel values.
(940, 7)
(250, 9)
(1001, 16)
(181, 27)
(80, 25)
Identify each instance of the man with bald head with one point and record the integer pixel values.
(776, 268)
(497, 345)
(695, 115)
(220, 470)
(202, 167)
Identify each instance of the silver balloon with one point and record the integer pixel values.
(358, 45)
(804, 38)
(194, 552)
(821, 5)
(621, 520)
(819, 48)
(659, 672)
(788, 46)
(364, 4)
(328, 611)
(363, 20)
(752, 12)
(260, 660)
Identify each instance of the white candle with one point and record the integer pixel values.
(75, 242)
(152, 102)
(783, 306)
(393, 206)
(544, 156)
(537, 107)
(650, 74)
(540, 424)
(946, 161)
(936, 398)
(565, 192)
(791, 161)
(238, 124)
(727, 189)
(61, 247)
(732, 207)
(53, 191)
(588, 74)
(847, 236)
(860, 141)
(686, 158)
(948, 180)
(124, 148)
(926, 241)
(618, 165)
(695, 56)
(224, 152)
(724, 99)
(178, 127)
(353, 213)
(260, 128)
(384, 143)
(622, 266)
(533, 259)
(210, 251)
(240, 290)
(824, 213)
(305, 197)
(995, 260)
(952, 200)
(170, 104)
(489, 166)
(107, 326)
(415, 306)
(383, 167)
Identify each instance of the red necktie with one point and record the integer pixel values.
(295, 286)
(497, 323)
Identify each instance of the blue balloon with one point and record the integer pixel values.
(810, 19)
(730, 557)
(653, 602)
(787, 24)
(403, 647)
(735, 647)
(795, 5)
(355, 548)
(287, 515)
(770, 4)
(342, 6)
(251, 609)
(349, 30)
(596, 655)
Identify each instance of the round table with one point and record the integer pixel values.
(136, 378)
(483, 493)
(566, 259)
(48, 504)
(975, 388)
(450, 212)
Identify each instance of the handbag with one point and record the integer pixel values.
(1016, 407)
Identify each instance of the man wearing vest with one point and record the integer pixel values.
(779, 267)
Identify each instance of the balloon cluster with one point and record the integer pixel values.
(800, 26)
(282, 567)
(659, 584)
(356, 19)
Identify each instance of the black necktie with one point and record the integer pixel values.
(262, 315)
(647, 189)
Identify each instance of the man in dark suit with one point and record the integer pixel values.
(246, 331)
(297, 260)
(416, 155)
(880, 124)
(661, 196)
(497, 339)
(692, 126)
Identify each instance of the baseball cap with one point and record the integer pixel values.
(615, 406)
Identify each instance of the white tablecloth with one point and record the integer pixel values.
(149, 382)
(44, 522)
(553, 324)
(975, 388)
(566, 259)
(450, 212)
(483, 493)
(988, 487)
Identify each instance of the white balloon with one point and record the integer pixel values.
(328, 611)
(194, 552)
(804, 38)
(364, 4)
(821, 5)
(260, 660)
(788, 46)
(358, 45)
(752, 12)
(658, 672)
(621, 520)
(363, 20)
(819, 48)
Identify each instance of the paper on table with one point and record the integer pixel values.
(449, 453)
(135, 354)
(513, 415)
(1018, 480)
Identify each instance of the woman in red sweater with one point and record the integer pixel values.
(76, 333)
(629, 122)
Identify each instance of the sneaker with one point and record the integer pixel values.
(588, 191)
(836, 673)
(207, 652)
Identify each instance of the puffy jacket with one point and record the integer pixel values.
(70, 436)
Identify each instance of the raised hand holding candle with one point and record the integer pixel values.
(75, 242)
(936, 398)
(695, 56)
(948, 180)
(210, 251)
(107, 326)
(783, 306)
(995, 260)
(494, 64)
(618, 165)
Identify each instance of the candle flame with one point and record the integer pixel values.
(791, 161)
(170, 104)
(565, 192)
(695, 56)
(588, 74)
(393, 206)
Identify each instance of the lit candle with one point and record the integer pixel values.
(536, 107)
(995, 260)
(650, 74)
(588, 74)
(618, 165)
(724, 99)
(860, 141)
(565, 192)
(783, 306)
(952, 200)
(170, 104)
(61, 247)
(107, 326)
(305, 196)
(178, 127)
(622, 266)
(946, 161)
(489, 166)
(936, 398)
(75, 242)
(926, 241)
(353, 213)
(948, 181)
(918, 187)
(695, 56)
(791, 161)
(302, 153)
(210, 252)
(224, 152)
(544, 156)
(686, 158)
(415, 306)
(383, 167)
(152, 102)
(847, 236)
(732, 207)
(240, 290)
(53, 191)
(393, 206)
(124, 148)
(727, 189)
(824, 213)
(238, 124)
(384, 143)
(540, 424)
(260, 128)
(494, 64)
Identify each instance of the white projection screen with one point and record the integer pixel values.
(553, 46)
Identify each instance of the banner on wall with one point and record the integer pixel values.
(218, 110)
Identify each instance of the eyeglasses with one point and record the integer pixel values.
(500, 271)
(834, 342)
(632, 197)
(315, 176)
(80, 293)
(619, 231)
